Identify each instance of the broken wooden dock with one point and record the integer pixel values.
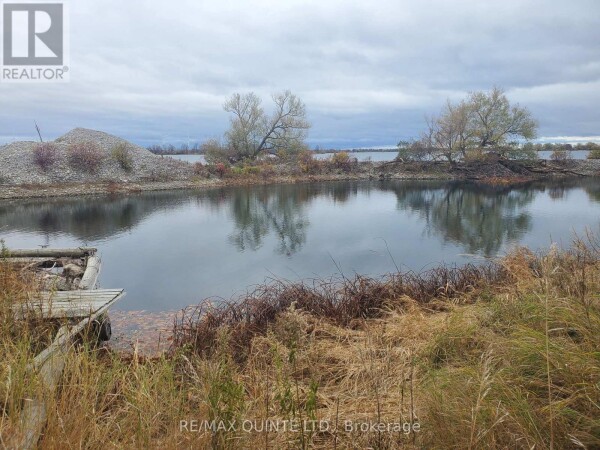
(83, 308)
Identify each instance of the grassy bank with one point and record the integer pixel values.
(505, 355)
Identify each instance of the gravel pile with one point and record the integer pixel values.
(18, 164)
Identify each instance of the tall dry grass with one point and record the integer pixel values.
(506, 360)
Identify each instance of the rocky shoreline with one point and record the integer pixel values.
(21, 177)
(505, 172)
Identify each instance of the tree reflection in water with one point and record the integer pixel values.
(280, 210)
(480, 218)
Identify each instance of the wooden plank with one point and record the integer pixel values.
(67, 304)
(50, 364)
(63, 341)
(90, 276)
(30, 260)
(35, 411)
(74, 295)
(69, 312)
(52, 252)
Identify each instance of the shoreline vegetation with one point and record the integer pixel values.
(87, 162)
(494, 355)
(196, 149)
(482, 137)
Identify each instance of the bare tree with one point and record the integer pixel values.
(483, 120)
(247, 123)
(252, 132)
(496, 122)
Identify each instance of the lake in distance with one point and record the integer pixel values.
(173, 249)
(373, 156)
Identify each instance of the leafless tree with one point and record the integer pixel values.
(485, 120)
(253, 132)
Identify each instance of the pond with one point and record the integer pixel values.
(172, 249)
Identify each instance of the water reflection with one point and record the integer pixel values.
(259, 212)
(479, 218)
(85, 218)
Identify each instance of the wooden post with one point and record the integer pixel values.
(35, 411)
(90, 276)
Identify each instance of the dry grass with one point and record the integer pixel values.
(503, 358)
(345, 302)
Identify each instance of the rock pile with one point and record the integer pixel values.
(18, 163)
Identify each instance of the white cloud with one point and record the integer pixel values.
(368, 71)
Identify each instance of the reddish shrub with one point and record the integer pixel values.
(85, 156)
(45, 155)
(221, 169)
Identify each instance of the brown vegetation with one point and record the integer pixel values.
(498, 357)
(344, 302)
(85, 156)
(45, 155)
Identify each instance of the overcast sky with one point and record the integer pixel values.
(159, 71)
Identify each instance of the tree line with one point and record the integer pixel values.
(483, 122)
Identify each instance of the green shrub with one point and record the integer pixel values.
(474, 154)
(594, 154)
(527, 151)
(122, 154)
(215, 152)
(251, 170)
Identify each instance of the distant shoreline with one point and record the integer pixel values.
(319, 152)
(503, 172)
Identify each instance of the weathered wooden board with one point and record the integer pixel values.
(34, 414)
(61, 342)
(84, 305)
(31, 260)
(68, 304)
(52, 252)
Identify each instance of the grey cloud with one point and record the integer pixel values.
(369, 71)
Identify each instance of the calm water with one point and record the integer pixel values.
(575, 154)
(188, 158)
(389, 156)
(365, 156)
(361, 156)
(172, 249)
(375, 156)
